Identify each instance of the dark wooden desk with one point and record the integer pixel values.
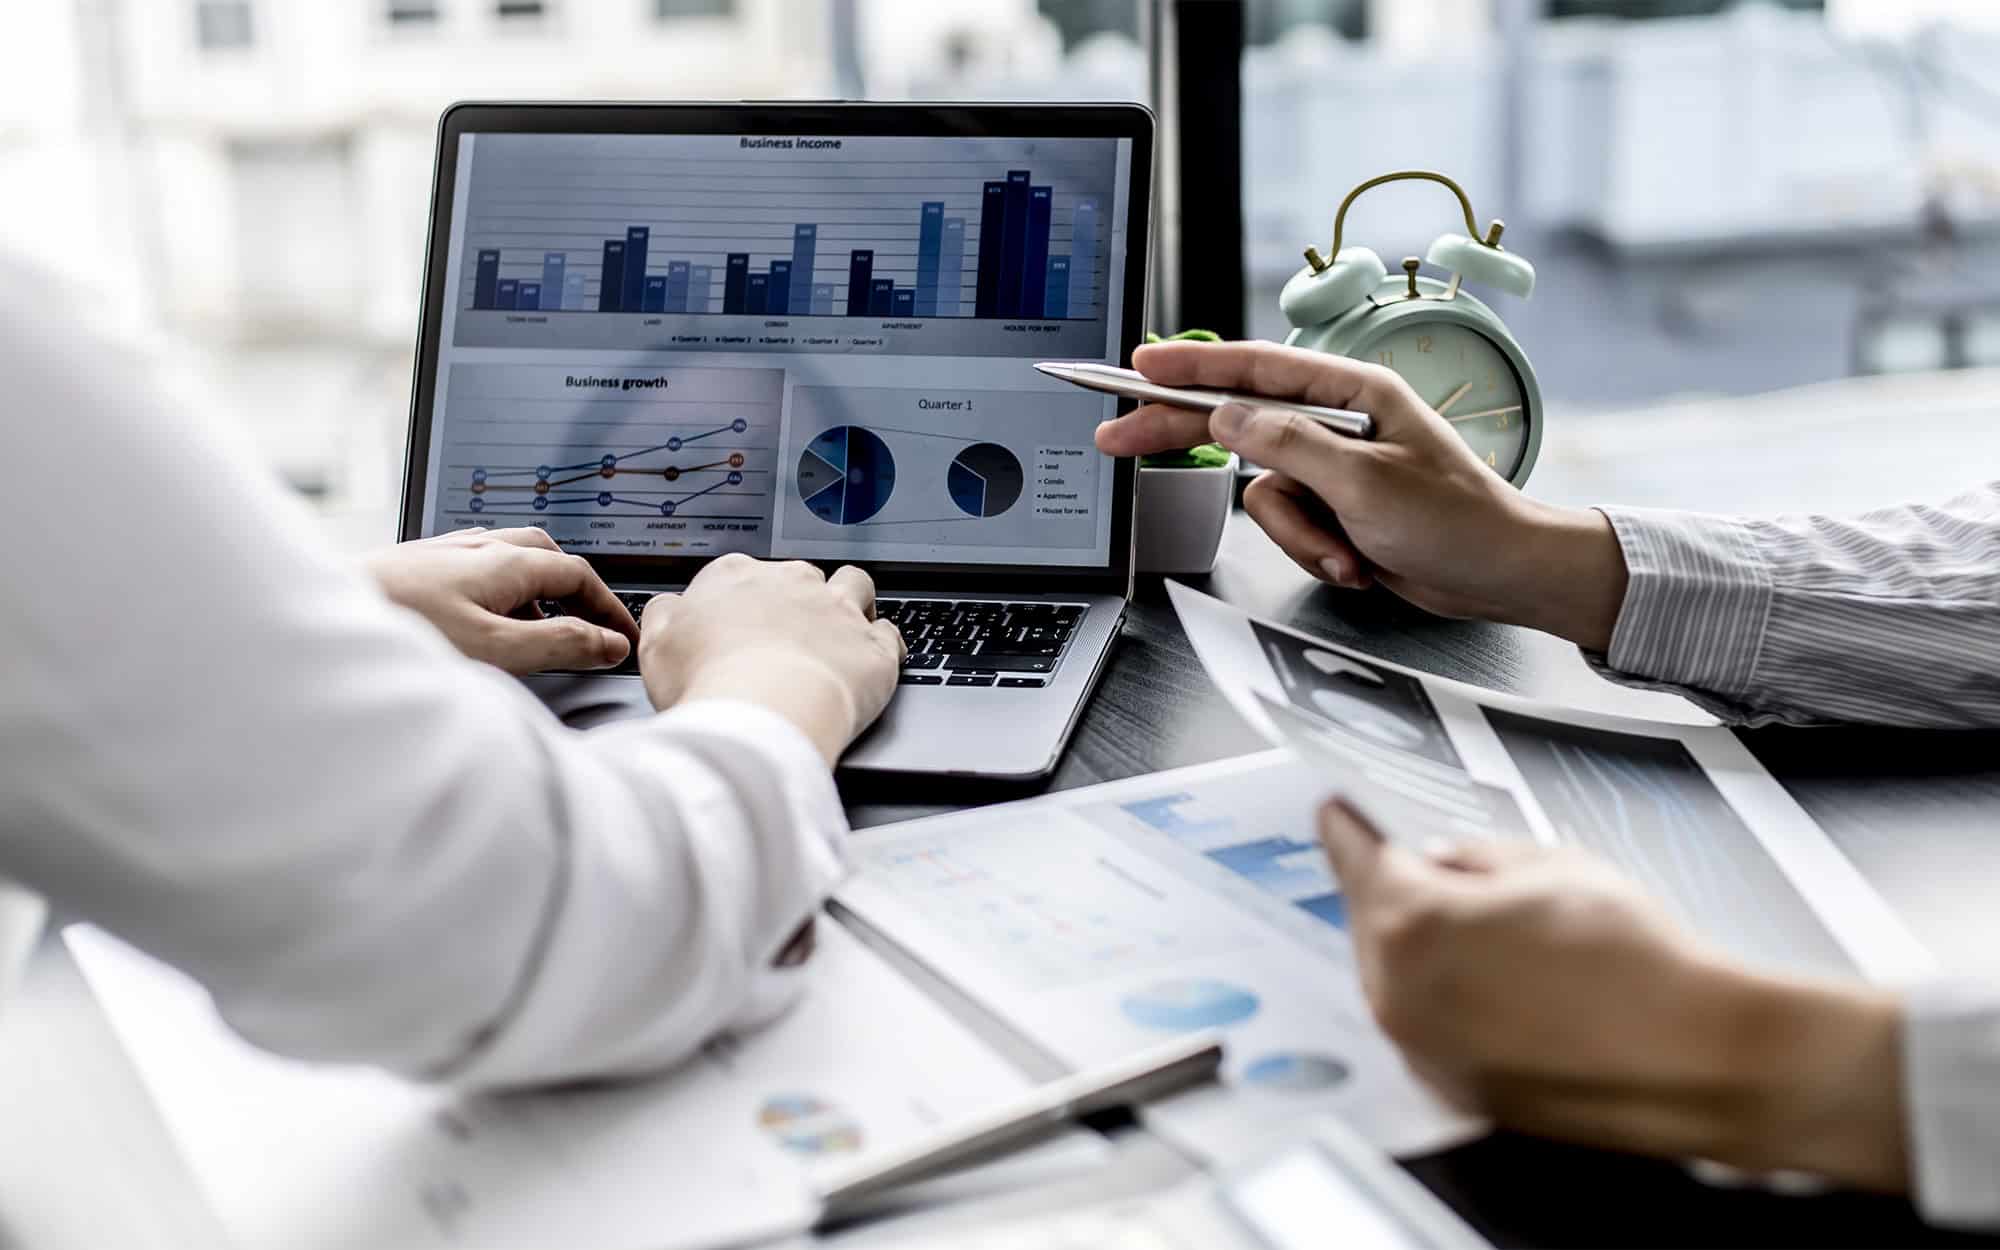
(1918, 813)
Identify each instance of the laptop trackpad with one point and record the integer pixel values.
(585, 701)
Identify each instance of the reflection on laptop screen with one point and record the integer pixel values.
(793, 346)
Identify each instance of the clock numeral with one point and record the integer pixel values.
(1506, 420)
(1492, 381)
(1386, 357)
(1424, 343)
(1491, 461)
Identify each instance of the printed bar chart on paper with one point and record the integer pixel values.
(690, 230)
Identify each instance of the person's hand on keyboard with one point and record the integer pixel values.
(781, 635)
(480, 589)
(1412, 508)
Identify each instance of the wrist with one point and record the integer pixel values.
(793, 685)
(1821, 1085)
(1568, 575)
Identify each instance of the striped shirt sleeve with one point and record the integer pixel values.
(1891, 617)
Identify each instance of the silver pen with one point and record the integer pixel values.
(1155, 1073)
(1134, 385)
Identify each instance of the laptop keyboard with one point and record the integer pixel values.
(958, 642)
(978, 642)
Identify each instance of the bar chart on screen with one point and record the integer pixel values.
(981, 247)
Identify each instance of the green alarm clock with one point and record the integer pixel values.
(1453, 350)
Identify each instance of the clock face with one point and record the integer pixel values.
(1468, 379)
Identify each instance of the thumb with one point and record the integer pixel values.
(1367, 866)
(556, 642)
(1289, 442)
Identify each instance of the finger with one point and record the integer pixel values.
(525, 536)
(658, 611)
(804, 569)
(555, 642)
(1297, 446)
(1152, 428)
(548, 574)
(1269, 369)
(894, 638)
(854, 586)
(1292, 517)
(1483, 857)
(1354, 848)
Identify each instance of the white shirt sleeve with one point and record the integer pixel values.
(222, 743)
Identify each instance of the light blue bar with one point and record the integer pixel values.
(930, 241)
(822, 299)
(572, 292)
(553, 264)
(951, 266)
(698, 280)
(677, 286)
(1083, 257)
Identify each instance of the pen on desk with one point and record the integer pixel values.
(1132, 384)
(1149, 1074)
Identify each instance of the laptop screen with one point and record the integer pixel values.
(789, 345)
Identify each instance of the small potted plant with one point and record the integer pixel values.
(1184, 500)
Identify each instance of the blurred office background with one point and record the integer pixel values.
(1721, 198)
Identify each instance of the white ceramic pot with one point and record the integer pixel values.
(1179, 517)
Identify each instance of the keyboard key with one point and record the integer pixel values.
(1000, 663)
(970, 679)
(923, 661)
(1024, 683)
(925, 679)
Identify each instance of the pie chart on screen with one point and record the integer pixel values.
(846, 474)
(985, 479)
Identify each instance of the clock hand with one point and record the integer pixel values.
(1489, 412)
(1453, 398)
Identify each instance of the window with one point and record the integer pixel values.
(222, 24)
(667, 10)
(409, 14)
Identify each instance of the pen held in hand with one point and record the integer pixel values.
(1135, 385)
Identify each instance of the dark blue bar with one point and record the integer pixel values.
(860, 268)
(903, 302)
(611, 282)
(881, 296)
(930, 238)
(528, 295)
(754, 290)
(805, 241)
(1055, 300)
(677, 286)
(778, 299)
(635, 267)
(992, 237)
(735, 276)
(506, 292)
(1035, 261)
(653, 296)
(1013, 243)
(553, 264)
(486, 280)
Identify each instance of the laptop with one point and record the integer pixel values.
(667, 332)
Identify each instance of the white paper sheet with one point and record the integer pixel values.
(1684, 808)
(1097, 921)
(720, 1151)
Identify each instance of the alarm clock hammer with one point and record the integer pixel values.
(1135, 385)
